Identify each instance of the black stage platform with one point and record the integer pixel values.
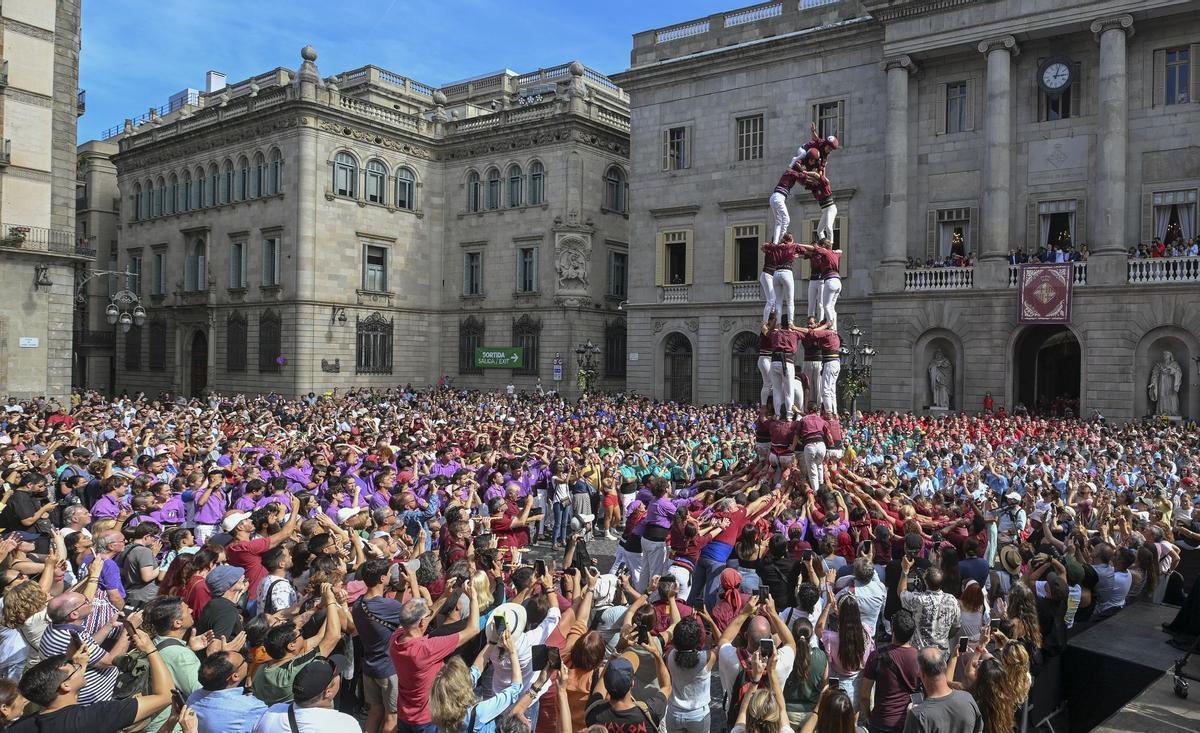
(1114, 677)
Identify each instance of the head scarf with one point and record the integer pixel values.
(731, 580)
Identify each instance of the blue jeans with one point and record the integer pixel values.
(562, 521)
(706, 580)
(403, 727)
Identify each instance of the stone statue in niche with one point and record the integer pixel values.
(941, 377)
(1165, 380)
(571, 266)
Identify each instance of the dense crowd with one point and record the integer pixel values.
(441, 561)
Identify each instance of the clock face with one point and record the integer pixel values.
(1056, 76)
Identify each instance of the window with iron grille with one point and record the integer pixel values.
(269, 341)
(750, 138)
(470, 337)
(158, 345)
(235, 342)
(526, 335)
(615, 354)
(374, 352)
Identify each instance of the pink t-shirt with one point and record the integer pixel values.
(830, 639)
(417, 662)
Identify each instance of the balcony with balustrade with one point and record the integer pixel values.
(1164, 270)
(674, 294)
(745, 292)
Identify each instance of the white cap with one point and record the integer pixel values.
(346, 512)
(233, 520)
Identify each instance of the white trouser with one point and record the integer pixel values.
(830, 290)
(812, 369)
(654, 561)
(764, 368)
(814, 455)
(797, 396)
(767, 281)
(785, 297)
(633, 561)
(814, 298)
(825, 226)
(782, 374)
(779, 205)
(829, 377)
(626, 500)
(684, 576)
(781, 464)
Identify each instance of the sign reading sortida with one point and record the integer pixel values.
(499, 357)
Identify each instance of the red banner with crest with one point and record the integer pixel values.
(1044, 293)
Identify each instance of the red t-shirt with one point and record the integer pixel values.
(737, 520)
(196, 595)
(828, 343)
(417, 662)
(783, 339)
(825, 262)
(248, 556)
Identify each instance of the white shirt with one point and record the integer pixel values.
(502, 664)
(308, 720)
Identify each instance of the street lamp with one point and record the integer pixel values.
(855, 376)
(585, 359)
(124, 306)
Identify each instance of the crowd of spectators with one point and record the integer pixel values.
(1178, 247)
(434, 561)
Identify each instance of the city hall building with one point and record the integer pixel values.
(294, 233)
(987, 125)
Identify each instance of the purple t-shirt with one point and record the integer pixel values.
(214, 509)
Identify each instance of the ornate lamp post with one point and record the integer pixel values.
(855, 376)
(124, 306)
(585, 359)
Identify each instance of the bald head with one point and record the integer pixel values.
(932, 662)
(61, 608)
(758, 628)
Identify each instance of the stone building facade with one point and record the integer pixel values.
(97, 217)
(39, 103)
(297, 233)
(946, 130)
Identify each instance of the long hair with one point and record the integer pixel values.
(852, 637)
(835, 714)
(1016, 672)
(997, 710)
(951, 573)
(1147, 560)
(1023, 607)
(802, 630)
(483, 589)
(763, 714)
(452, 696)
(971, 599)
(172, 582)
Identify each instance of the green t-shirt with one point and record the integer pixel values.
(273, 682)
(185, 673)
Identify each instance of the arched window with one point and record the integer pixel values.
(235, 343)
(345, 175)
(373, 354)
(615, 189)
(746, 386)
(275, 179)
(243, 179)
(160, 188)
(270, 345)
(227, 183)
(470, 337)
(493, 189)
(677, 368)
(193, 267)
(258, 179)
(473, 191)
(171, 201)
(137, 202)
(514, 186)
(526, 335)
(185, 195)
(214, 185)
(376, 182)
(614, 348)
(537, 183)
(198, 190)
(406, 189)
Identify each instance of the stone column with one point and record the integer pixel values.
(1106, 233)
(996, 207)
(895, 177)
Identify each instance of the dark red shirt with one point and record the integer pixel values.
(829, 344)
(784, 340)
(825, 262)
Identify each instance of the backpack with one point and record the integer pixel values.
(651, 725)
(741, 687)
(134, 671)
(266, 604)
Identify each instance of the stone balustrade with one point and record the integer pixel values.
(939, 278)
(674, 293)
(1164, 270)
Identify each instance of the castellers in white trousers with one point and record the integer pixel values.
(782, 374)
(779, 206)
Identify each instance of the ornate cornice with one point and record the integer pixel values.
(665, 212)
(562, 130)
(900, 62)
(1113, 22)
(373, 138)
(1006, 43)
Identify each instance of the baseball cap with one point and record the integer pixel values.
(618, 677)
(316, 676)
(233, 520)
(222, 578)
(347, 512)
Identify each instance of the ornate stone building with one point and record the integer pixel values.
(39, 103)
(988, 125)
(298, 233)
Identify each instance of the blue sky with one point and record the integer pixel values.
(136, 53)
